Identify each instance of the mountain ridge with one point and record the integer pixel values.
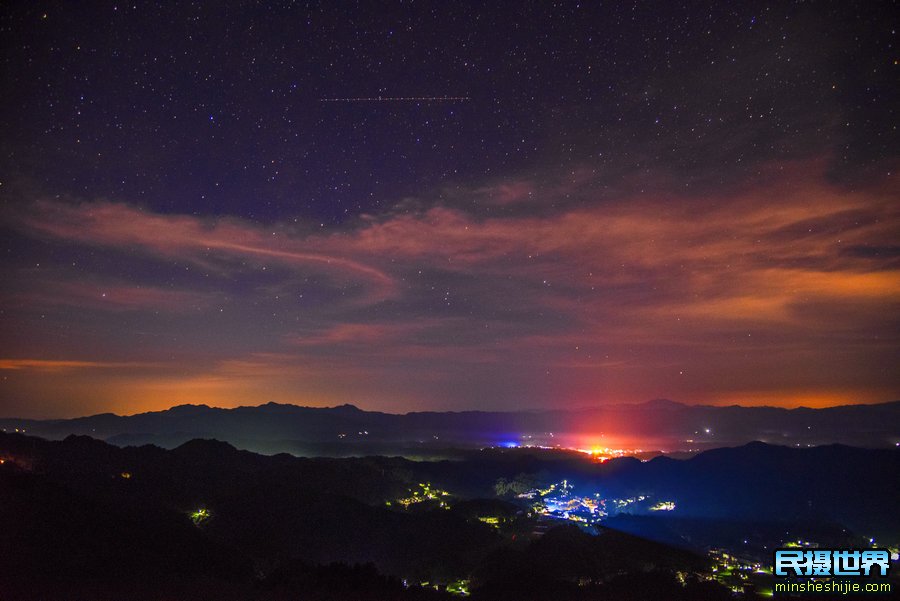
(660, 425)
(652, 403)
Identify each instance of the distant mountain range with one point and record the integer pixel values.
(348, 430)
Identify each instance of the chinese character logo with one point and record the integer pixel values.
(832, 562)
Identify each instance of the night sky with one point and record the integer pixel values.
(235, 202)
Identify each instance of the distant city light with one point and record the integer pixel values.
(604, 454)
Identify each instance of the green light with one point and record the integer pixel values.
(458, 587)
(200, 515)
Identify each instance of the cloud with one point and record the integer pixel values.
(787, 283)
(50, 365)
(186, 238)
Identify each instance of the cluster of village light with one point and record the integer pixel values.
(457, 587)
(739, 575)
(200, 515)
(560, 501)
(424, 492)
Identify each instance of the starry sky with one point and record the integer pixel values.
(234, 203)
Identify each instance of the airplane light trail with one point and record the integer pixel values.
(400, 99)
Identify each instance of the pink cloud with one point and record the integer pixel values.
(193, 239)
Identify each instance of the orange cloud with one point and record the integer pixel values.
(53, 365)
(786, 286)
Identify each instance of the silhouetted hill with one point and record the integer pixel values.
(207, 520)
(567, 564)
(348, 430)
(58, 543)
(85, 519)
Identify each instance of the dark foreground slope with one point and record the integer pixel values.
(82, 519)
